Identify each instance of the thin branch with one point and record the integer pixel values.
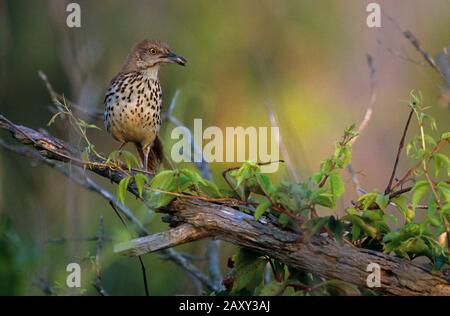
(401, 56)
(61, 240)
(213, 251)
(355, 180)
(202, 166)
(416, 44)
(274, 122)
(141, 262)
(93, 115)
(144, 276)
(98, 272)
(372, 98)
(367, 117)
(399, 150)
(408, 173)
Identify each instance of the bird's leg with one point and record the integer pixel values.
(146, 151)
(120, 149)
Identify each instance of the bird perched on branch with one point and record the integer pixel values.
(134, 98)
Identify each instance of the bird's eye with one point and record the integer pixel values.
(152, 51)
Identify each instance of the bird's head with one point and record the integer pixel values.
(151, 53)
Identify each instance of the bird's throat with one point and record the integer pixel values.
(152, 72)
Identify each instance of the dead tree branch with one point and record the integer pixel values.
(319, 255)
(195, 219)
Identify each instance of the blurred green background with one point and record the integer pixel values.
(307, 58)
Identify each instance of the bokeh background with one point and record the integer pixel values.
(306, 58)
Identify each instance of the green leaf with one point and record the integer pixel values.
(166, 180)
(441, 162)
(359, 221)
(261, 208)
(445, 136)
(444, 189)
(245, 172)
(83, 124)
(140, 180)
(122, 188)
(402, 205)
(163, 179)
(336, 227)
(338, 287)
(356, 232)
(337, 185)
(314, 226)
(367, 199)
(129, 159)
(157, 200)
(272, 289)
(326, 166)
(53, 118)
(382, 201)
(317, 177)
(210, 188)
(265, 182)
(413, 245)
(419, 190)
(194, 176)
(248, 269)
(283, 219)
(322, 197)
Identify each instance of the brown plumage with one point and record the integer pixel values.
(134, 99)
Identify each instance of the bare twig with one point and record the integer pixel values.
(416, 44)
(93, 115)
(355, 180)
(144, 275)
(367, 116)
(97, 283)
(274, 122)
(400, 55)
(202, 166)
(399, 150)
(372, 98)
(62, 240)
(213, 251)
(141, 262)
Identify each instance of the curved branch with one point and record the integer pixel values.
(319, 255)
(197, 219)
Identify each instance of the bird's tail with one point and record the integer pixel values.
(155, 157)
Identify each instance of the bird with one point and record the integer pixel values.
(133, 100)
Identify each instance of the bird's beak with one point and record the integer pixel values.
(174, 58)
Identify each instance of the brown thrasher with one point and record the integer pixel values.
(133, 100)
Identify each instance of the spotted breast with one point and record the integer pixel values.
(133, 108)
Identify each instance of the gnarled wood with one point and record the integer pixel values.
(198, 219)
(319, 255)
